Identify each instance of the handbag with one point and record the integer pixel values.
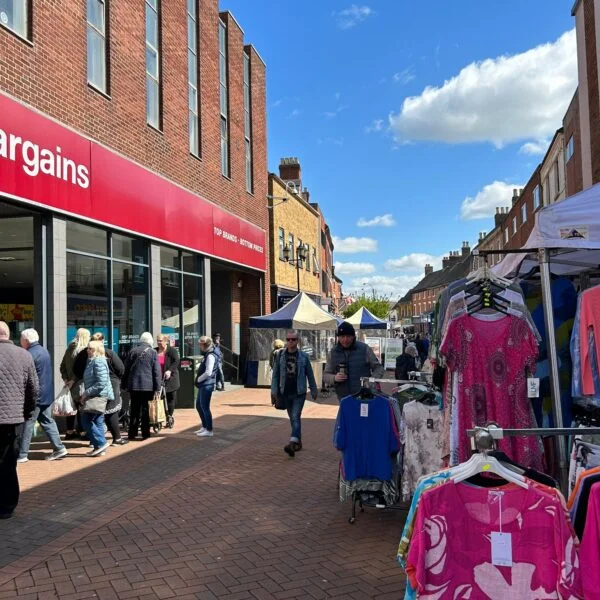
(95, 405)
(280, 403)
(156, 408)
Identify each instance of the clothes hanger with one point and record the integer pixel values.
(482, 463)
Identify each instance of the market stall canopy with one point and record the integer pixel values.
(365, 319)
(299, 313)
(571, 225)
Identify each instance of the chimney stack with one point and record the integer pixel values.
(289, 170)
(466, 249)
(306, 195)
(515, 195)
(500, 216)
(445, 261)
(428, 269)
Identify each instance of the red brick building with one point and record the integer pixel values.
(517, 226)
(156, 217)
(572, 131)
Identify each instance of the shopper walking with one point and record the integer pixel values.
(30, 341)
(291, 370)
(349, 361)
(168, 359)
(142, 379)
(220, 381)
(205, 382)
(406, 362)
(97, 393)
(19, 392)
(116, 368)
(72, 367)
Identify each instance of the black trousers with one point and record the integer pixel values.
(171, 402)
(220, 383)
(112, 422)
(10, 442)
(138, 413)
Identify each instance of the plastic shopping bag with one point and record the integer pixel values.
(64, 405)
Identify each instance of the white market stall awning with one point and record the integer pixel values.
(572, 227)
(363, 318)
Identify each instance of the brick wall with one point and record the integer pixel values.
(592, 85)
(50, 74)
(573, 168)
(517, 240)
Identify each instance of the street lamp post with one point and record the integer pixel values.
(301, 255)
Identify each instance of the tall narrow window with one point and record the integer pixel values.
(224, 101)
(281, 242)
(536, 196)
(524, 213)
(96, 44)
(291, 243)
(14, 16)
(248, 124)
(570, 149)
(153, 71)
(194, 121)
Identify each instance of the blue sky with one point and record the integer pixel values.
(415, 117)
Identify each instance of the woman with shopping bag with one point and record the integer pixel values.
(97, 393)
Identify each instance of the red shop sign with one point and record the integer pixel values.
(48, 164)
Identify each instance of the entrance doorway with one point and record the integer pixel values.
(17, 267)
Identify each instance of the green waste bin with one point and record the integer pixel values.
(188, 371)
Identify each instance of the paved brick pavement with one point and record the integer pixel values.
(229, 517)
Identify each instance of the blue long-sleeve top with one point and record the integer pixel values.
(365, 434)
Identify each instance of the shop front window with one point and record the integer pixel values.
(192, 305)
(181, 299)
(107, 285)
(130, 310)
(87, 294)
(170, 291)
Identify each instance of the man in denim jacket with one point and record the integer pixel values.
(291, 370)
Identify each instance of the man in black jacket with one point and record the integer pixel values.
(142, 379)
(349, 361)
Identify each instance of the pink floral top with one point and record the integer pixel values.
(450, 553)
(490, 359)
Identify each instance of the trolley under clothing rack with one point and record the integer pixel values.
(357, 496)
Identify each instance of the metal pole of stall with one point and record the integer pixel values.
(544, 260)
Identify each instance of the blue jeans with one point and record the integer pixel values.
(44, 417)
(203, 405)
(94, 425)
(295, 404)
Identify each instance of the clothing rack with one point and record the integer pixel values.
(493, 432)
(357, 495)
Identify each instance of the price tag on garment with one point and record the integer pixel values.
(364, 410)
(533, 387)
(501, 549)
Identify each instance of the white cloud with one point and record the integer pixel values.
(331, 140)
(485, 202)
(499, 100)
(351, 16)
(353, 269)
(405, 76)
(376, 125)
(392, 286)
(354, 245)
(413, 262)
(337, 95)
(330, 114)
(296, 112)
(386, 220)
(537, 148)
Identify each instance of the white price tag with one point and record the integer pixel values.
(364, 410)
(501, 549)
(533, 387)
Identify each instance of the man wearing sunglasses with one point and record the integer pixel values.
(291, 370)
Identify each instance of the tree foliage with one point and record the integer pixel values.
(380, 307)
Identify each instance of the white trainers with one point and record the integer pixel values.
(199, 431)
(22, 460)
(99, 451)
(57, 454)
(205, 433)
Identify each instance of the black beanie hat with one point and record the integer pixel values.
(346, 328)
